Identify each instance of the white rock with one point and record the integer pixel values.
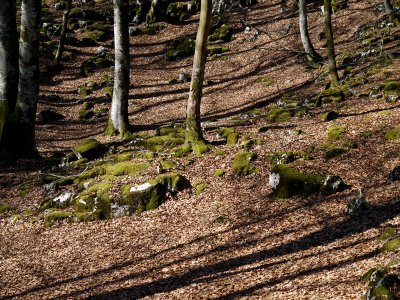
(142, 187)
(274, 179)
(64, 197)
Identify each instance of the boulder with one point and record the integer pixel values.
(394, 175)
(47, 116)
(89, 149)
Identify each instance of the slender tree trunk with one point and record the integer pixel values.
(390, 12)
(193, 126)
(8, 74)
(63, 35)
(28, 88)
(330, 42)
(118, 120)
(312, 55)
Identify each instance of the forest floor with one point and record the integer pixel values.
(230, 241)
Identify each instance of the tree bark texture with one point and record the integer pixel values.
(118, 119)
(63, 35)
(330, 43)
(193, 125)
(312, 55)
(28, 88)
(8, 73)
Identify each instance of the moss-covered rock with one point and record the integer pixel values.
(242, 163)
(89, 149)
(200, 188)
(85, 111)
(180, 49)
(388, 233)
(391, 245)
(215, 50)
(286, 182)
(177, 12)
(332, 150)
(335, 132)
(57, 216)
(6, 208)
(223, 33)
(330, 116)
(200, 147)
(331, 95)
(158, 143)
(229, 134)
(219, 172)
(393, 134)
(278, 114)
(126, 168)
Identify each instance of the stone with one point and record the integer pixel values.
(394, 175)
(63, 200)
(357, 206)
(89, 149)
(134, 31)
(47, 116)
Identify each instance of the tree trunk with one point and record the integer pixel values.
(8, 74)
(330, 43)
(312, 55)
(390, 12)
(28, 88)
(63, 35)
(193, 126)
(118, 120)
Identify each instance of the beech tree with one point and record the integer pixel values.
(61, 42)
(312, 55)
(330, 43)
(118, 119)
(194, 133)
(8, 74)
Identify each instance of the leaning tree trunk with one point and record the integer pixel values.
(193, 126)
(8, 75)
(118, 120)
(312, 55)
(330, 43)
(390, 12)
(28, 88)
(63, 35)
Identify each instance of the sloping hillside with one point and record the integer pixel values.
(221, 235)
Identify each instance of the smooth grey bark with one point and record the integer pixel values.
(390, 12)
(312, 55)
(63, 35)
(8, 74)
(330, 43)
(118, 120)
(28, 88)
(193, 126)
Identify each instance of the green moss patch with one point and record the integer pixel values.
(266, 81)
(223, 33)
(335, 132)
(180, 49)
(388, 232)
(89, 149)
(127, 168)
(200, 188)
(216, 50)
(219, 172)
(393, 134)
(229, 134)
(242, 163)
(159, 143)
(331, 95)
(332, 150)
(6, 208)
(278, 114)
(391, 245)
(57, 216)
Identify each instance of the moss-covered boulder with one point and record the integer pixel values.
(391, 91)
(61, 201)
(335, 132)
(6, 208)
(223, 33)
(89, 149)
(286, 182)
(330, 116)
(180, 48)
(331, 95)
(278, 114)
(229, 134)
(85, 111)
(242, 163)
(332, 150)
(177, 12)
(215, 50)
(57, 216)
(393, 134)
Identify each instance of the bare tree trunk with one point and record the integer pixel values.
(330, 42)
(118, 120)
(193, 125)
(8, 74)
(390, 12)
(28, 88)
(63, 35)
(312, 55)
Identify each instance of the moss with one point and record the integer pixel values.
(125, 156)
(331, 95)
(392, 86)
(393, 134)
(219, 172)
(266, 81)
(94, 35)
(229, 134)
(127, 168)
(84, 91)
(182, 151)
(292, 183)
(108, 91)
(200, 147)
(90, 148)
(219, 219)
(335, 132)
(158, 143)
(217, 49)
(180, 49)
(172, 131)
(387, 233)
(241, 163)
(6, 208)
(391, 245)
(79, 162)
(168, 165)
(219, 153)
(57, 216)
(200, 188)
(278, 114)
(331, 151)
(172, 80)
(223, 33)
